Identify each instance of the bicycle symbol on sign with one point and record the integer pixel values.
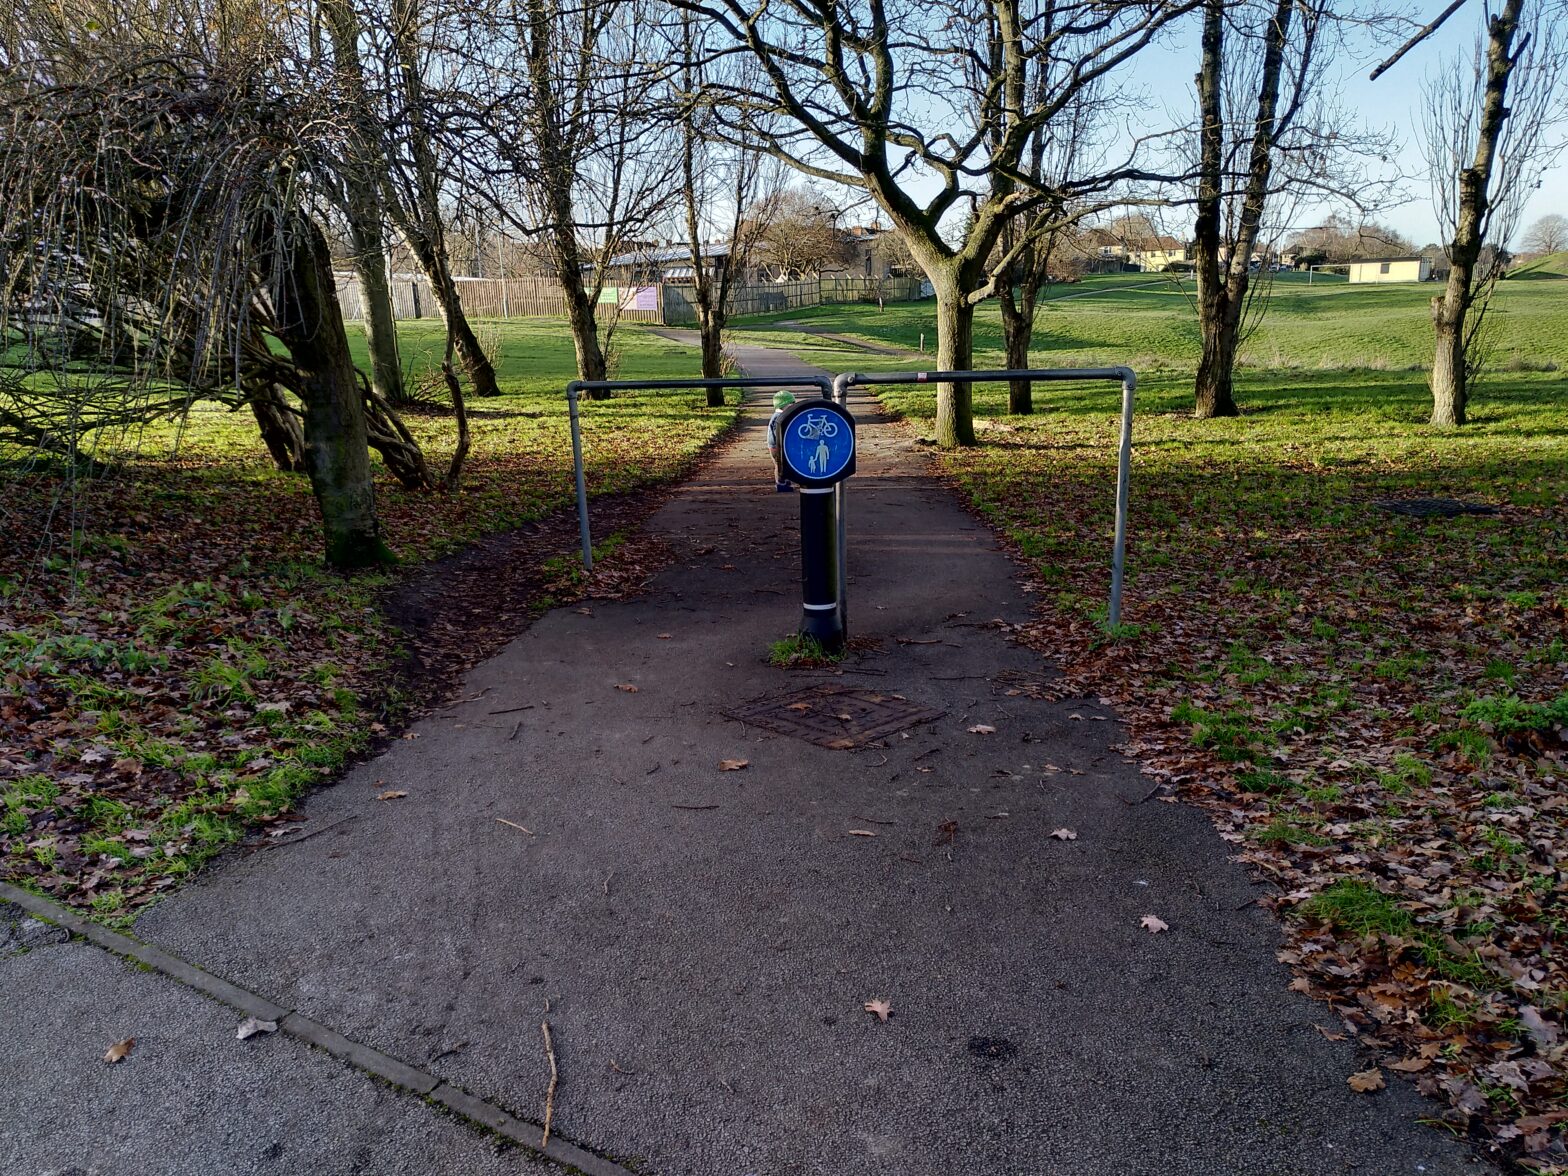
(818, 427)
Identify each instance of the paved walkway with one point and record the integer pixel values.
(706, 940)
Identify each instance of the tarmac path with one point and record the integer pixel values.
(707, 939)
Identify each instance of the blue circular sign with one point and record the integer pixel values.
(818, 439)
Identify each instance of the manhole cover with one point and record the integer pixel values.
(1433, 508)
(836, 717)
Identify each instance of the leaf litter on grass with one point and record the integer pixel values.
(176, 668)
(1370, 707)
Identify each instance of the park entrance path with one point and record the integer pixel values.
(706, 939)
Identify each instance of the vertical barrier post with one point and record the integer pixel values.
(572, 391)
(841, 494)
(1123, 474)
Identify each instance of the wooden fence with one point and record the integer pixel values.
(668, 303)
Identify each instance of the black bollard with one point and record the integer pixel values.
(817, 445)
(820, 616)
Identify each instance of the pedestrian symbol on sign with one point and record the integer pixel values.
(819, 442)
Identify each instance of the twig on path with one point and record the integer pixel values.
(515, 825)
(960, 678)
(511, 710)
(607, 878)
(516, 727)
(1150, 795)
(618, 1070)
(696, 808)
(549, 1096)
(917, 641)
(874, 821)
(305, 836)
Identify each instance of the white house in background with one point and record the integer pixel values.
(1413, 268)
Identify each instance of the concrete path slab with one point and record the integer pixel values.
(707, 939)
(190, 1097)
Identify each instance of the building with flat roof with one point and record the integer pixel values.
(1412, 268)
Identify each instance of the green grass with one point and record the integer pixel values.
(1553, 265)
(798, 652)
(1146, 321)
(192, 578)
(1361, 910)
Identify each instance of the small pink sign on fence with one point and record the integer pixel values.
(640, 298)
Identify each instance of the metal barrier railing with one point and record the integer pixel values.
(838, 389)
(1129, 383)
(577, 387)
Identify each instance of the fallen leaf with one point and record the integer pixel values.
(732, 765)
(392, 794)
(251, 1026)
(1064, 835)
(982, 729)
(879, 1008)
(1154, 924)
(1542, 1032)
(1366, 1081)
(800, 707)
(1411, 1065)
(664, 636)
(861, 833)
(841, 745)
(119, 1050)
(1329, 1033)
(626, 686)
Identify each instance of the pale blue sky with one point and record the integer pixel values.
(1392, 102)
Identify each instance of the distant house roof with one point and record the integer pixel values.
(1154, 244)
(1401, 257)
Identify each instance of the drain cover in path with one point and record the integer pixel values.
(836, 717)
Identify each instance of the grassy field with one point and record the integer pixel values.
(1369, 703)
(1553, 265)
(1146, 322)
(177, 665)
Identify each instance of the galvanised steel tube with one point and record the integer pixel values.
(574, 390)
(841, 491)
(1129, 382)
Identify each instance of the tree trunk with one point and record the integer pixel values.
(363, 206)
(421, 223)
(585, 332)
(1220, 321)
(1222, 287)
(337, 457)
(375, 293)
(1450, 389)
(1450, 361)
(1213, 396)
(476, 364)
(280, 429)
(1017, 331)
(710, 323)
(955, 321)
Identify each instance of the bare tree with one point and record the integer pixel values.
(802, 238)
(1057, 150)
(193, 268)
(1490, 131)
(572, 135)
(1549, 234)
(363, 167)
(873, 98)
(1263, 137)
(724, 187)
(414, 175)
